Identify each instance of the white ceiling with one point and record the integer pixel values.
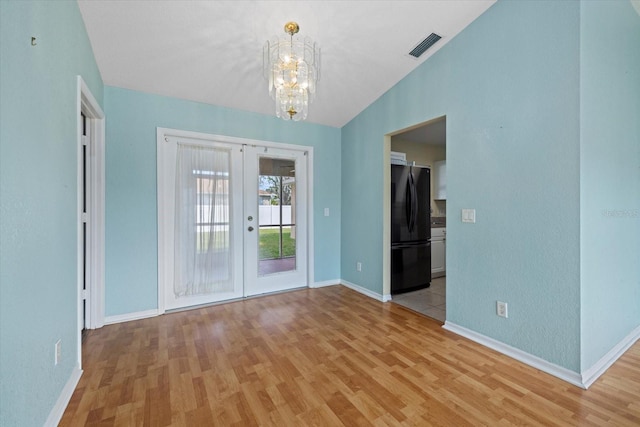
(211, 51)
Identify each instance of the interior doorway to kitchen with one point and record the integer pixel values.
(425, 145)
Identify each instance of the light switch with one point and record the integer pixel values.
(469, 215)
(326, 211)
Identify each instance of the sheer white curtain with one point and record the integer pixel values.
(202, 254)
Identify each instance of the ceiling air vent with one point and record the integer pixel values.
(424, 45)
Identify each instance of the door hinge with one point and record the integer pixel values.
(84, 294)
(85, 217)
(85, 140)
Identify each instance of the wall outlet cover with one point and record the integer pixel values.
(501, 309)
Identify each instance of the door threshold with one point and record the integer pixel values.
(228, 301)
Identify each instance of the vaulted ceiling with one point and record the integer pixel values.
(211, 51)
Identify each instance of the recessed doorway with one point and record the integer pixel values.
(425, 145)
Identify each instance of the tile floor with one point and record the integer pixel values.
(430, 301)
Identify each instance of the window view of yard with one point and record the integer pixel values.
(270, 243)
(276, 216)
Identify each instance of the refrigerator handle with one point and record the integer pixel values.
(408, 204)
(414, 202)
(409, 201)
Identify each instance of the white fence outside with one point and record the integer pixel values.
(267, 214)
(270, 215)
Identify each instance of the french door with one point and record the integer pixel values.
(275, 209)
(232, 219)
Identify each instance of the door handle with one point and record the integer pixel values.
(250, 228)
(250, 218)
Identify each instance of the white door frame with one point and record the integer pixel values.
(255, 284)
(95, 120)
(161, 134)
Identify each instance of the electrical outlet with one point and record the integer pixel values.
(57, 352)
(501, 309)
(358, 266)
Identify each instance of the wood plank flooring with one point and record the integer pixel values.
(325, 357)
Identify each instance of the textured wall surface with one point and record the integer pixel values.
(509, 86)
(131, 215)
(609, 175)
(38, 201)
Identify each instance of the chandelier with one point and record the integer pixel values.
(292, 67)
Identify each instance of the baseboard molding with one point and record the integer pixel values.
(63, 400)
(517, 354)
(325, 283)
(365, 291)
(600, 367)
(119, 318)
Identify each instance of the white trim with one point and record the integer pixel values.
(229, 139)
(87, 104)
(593, 373)
(386, 216)
(517, 354)
(128, 317)
(310, 241)
(160, 196)
(365, 291)
(63, 400)
(325, 283)
(162, 133)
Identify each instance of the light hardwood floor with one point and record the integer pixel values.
(325, 357)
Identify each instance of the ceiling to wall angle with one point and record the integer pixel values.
(211, 51)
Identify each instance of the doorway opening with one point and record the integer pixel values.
(90, 232)
(425, 145)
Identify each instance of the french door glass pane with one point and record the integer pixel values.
(203, 261)
(276, 216)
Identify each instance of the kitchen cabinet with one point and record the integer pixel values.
(438, 252)
(440, 180)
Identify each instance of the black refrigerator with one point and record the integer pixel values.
(410, 228)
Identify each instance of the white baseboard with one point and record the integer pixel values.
(325, 283)
(522, 356)
(119, 318)
(63, 400)
(593, 373)
(365, 291)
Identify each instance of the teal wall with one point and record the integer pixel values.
(609, 175)
(541, 99)
(509, 86)
(38, 201)
(131, 223)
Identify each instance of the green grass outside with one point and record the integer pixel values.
(270, 243)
